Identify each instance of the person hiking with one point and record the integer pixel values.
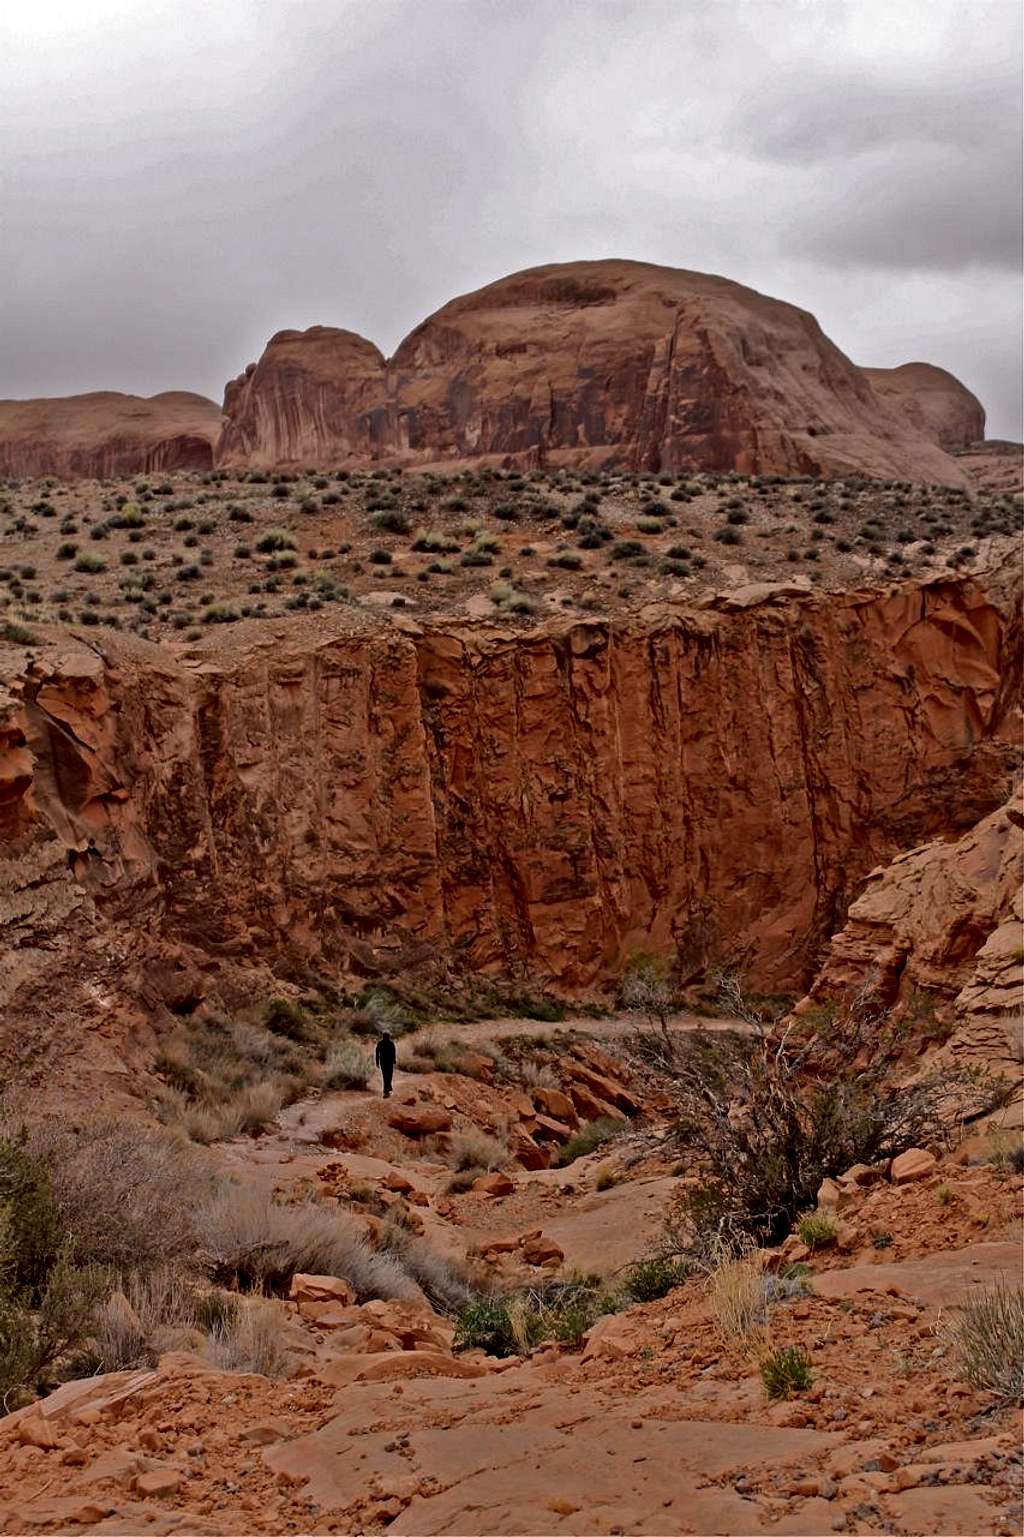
(384, 1056)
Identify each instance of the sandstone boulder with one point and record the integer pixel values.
(554, 1103)
(916, 1163)
(494, 1184)
(538, 1249)
(420, 1120)
(320, 1289)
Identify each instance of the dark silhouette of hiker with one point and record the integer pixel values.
(384, 1056)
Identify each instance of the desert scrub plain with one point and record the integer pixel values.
(171, 557)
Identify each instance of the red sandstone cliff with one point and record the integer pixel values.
(603, 363)
(106, 434)
(540, 803)
(931, 401)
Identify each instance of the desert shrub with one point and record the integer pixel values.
(391, 520)
(786, 1371)
(93, 564)
(817, 1229)
(591, 1134)
(347, 1066)
(249, 1341)
(442, 1280)
(484, 1323)
(644, 989)
(249, 1240)
(474, 1149)
(143, 1316)
(882, 1240)
(36, 1333)
(988, 1341)
(606, 1179)
(770, 1115)
(273, 540)
(286, 1018)
(30, 1227)
(124, 1194)
(648, 1279)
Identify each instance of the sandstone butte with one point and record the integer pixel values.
(106, 434)
(596, 363)
(506, 803)
(933, 401)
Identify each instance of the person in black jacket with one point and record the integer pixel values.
(384, 1056)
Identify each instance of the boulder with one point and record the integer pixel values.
(548, 1130)
(538, 1249)
(831, 1196)
(860, 1175)
(420, 1120)
(319, 1289)
(494, 1184)
(612, 1338)
(916, 1163)
(590, 1107)
(529, 1154)
(554, 1103)
(606, 1089)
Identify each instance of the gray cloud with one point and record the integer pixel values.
(179, 180)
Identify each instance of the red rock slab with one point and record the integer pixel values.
(939, 1280)
(504, 1477)
(956, 1510)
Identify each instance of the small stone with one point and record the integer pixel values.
(35, 1431)
(158, 1484)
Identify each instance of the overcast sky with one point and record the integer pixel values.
(181, 178)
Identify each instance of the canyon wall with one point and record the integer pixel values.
(714, 783)
(603, 363)
(107, 434)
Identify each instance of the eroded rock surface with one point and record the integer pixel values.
(106, 433)
(603, 362)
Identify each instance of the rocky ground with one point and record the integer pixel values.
(174, 557)
(655, 1421)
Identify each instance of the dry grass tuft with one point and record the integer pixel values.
(988, 1339)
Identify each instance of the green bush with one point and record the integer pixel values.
(591, 1135)
(817, 1229)
(486, 1324)
(786, 1371)
(34, 1336)
(649, 1279)
(30, 1228)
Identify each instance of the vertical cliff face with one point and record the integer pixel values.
(711, 784)
(604, 362)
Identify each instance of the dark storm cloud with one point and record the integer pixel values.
(179, 179)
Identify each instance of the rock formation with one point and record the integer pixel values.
(703, 782)
(943, 923)
(931, 401)
(596, 363)
(105, 434)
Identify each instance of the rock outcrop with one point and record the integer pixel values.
(942, 927)
(106, 434)
(587, 363)
(542, 803)
(931, 401)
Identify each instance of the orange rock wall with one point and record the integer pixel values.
(107, 434)
(539, 802)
